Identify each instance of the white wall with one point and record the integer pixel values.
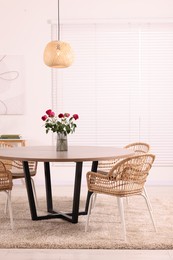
(24, 30)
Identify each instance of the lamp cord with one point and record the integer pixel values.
(58, 21)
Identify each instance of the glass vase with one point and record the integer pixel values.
(61, 144)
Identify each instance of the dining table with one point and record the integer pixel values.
(48, 154)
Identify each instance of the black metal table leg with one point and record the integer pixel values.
(29, 190)
(93, 169)
(76, 195)
(94, 166)
(48, 187)
(72, 216)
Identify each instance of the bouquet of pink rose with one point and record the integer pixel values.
(63, 123)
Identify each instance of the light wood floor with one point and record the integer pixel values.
(66, 254)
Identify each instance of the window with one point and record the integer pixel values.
(121, 85)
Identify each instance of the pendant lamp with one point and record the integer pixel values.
(58, 54)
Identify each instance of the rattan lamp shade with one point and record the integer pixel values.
(58, 54)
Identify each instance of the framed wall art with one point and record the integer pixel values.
(11, 84)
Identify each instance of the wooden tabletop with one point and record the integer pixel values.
(74, 153)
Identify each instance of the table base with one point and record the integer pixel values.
(72, 216)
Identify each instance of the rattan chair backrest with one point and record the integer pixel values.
(135, 165)
(138, 148)
(5, 178)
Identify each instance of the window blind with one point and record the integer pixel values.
(121, 85)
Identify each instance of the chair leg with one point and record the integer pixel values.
(150, 211)
(6, 205)
(148, 200)
(10, 208)
(92, 198)
(121, 211)
(22, 181)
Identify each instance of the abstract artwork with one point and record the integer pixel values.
(11, 85)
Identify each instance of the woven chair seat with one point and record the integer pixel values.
(119, 188)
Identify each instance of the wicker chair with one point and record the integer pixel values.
(125, 179)
(16, 168)
(138, 148)
(6, 186)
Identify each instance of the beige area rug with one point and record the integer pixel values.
(104, 230)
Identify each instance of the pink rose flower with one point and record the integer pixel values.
(50, 113)
(44, 117)
(61, 115)
(66, 114)
(75, 116)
